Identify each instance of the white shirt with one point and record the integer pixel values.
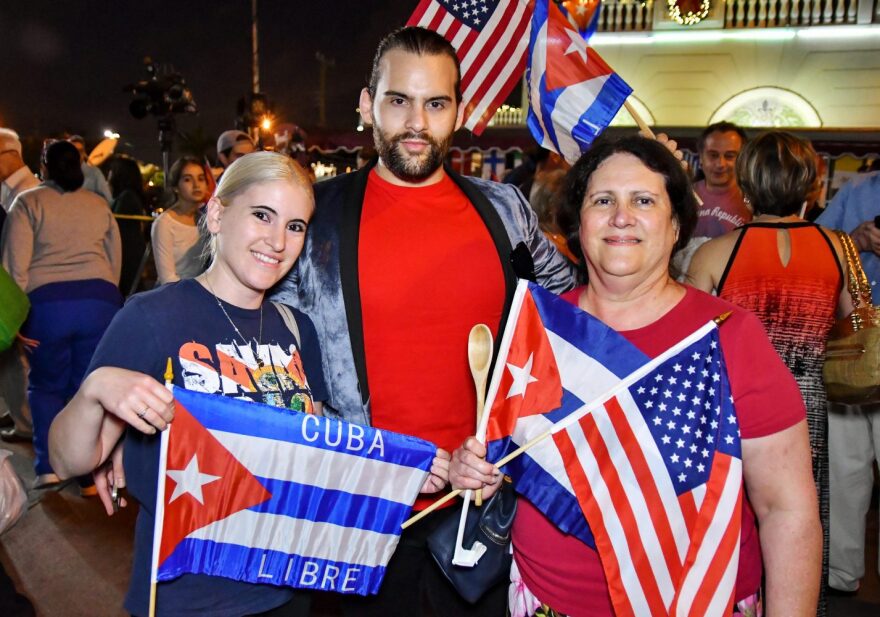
(18, 181)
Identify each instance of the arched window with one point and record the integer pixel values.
(768, 107)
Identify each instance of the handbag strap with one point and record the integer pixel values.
(289, 321)
(857, 281)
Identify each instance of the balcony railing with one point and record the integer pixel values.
(638, 15)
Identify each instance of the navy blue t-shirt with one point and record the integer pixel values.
(182, 321)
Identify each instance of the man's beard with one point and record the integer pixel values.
(410, 168)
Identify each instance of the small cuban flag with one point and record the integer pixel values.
(573, 93)
(264, 495)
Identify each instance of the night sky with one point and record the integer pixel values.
(64, 62)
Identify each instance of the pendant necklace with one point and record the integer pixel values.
(260, 362)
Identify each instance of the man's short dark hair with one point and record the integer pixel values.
(418, 41)
(720, 127)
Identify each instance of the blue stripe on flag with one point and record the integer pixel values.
(586, 333)
(539, 487)
(258, 420)
(548, 99)
(570, 404)
(323, 505)
(602, 111)
(266, 566)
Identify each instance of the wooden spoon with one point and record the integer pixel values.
(479, 359)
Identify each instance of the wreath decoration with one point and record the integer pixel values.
(688, 12)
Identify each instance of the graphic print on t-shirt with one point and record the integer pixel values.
(264, 373)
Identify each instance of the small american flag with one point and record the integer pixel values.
(491, 39)
(667, 514)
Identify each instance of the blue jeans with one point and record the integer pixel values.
(68, 331)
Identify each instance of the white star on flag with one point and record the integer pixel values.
(578, 44)
(522, 377)
(190, 480)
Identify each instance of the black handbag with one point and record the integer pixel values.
(489, 525)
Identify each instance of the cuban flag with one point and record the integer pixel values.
(641, 459)
(582, 13)
(260, 494)
(573, 94)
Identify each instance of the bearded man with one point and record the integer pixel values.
(402, 258)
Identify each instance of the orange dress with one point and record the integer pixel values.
(797, 303)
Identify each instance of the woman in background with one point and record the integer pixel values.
(177, 247)
(787, 271)
(61, 245)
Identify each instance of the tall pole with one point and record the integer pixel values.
(325, 62)
(255, 48)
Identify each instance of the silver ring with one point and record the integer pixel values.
(143, 413)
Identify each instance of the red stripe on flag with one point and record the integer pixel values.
(478, 98)
(712, 579)
(688, 510)
(436, 21)
(489, 42)
(643, 472)
(491, 109)
(483, 72)
(714, 486)
(468, 43)
(625, 514)
(418, 13)
(581, 487)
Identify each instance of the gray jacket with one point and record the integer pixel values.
(324, 282)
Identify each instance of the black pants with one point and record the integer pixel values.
(299, 606)
(412, 579)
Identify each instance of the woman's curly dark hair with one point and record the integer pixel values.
(656, 157)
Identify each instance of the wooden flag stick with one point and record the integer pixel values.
(643, 126)
(160, 500)
(623, 384)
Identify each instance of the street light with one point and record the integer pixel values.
(110, 134)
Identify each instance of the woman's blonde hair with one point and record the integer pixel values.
(260, 168)
(253, 169)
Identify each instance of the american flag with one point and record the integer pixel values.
(646, 452)
(491, 38)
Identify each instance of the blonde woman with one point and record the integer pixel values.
(257, 220)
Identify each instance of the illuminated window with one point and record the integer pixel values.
(766, 107)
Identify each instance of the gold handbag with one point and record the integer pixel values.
(852, 356)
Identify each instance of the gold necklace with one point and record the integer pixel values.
(234, 327)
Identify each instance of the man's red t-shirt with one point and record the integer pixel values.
(428, 272)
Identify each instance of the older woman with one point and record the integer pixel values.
(785, 270)
(631, 206)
